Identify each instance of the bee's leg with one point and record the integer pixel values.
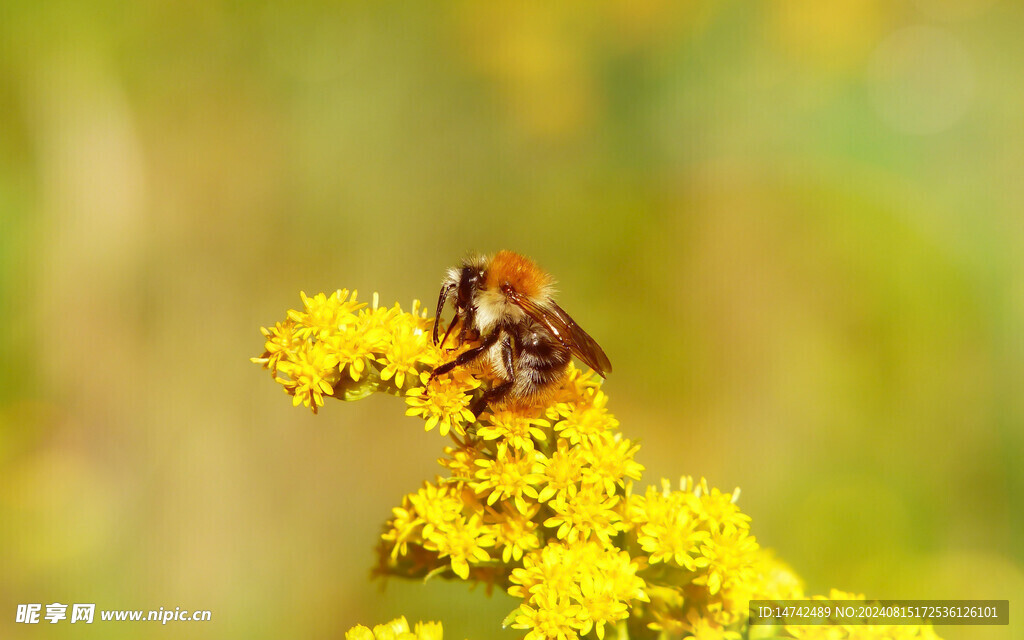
(494, 394)
(466, 357)
(467, 323)
(497, 393)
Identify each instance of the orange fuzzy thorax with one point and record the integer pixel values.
(519, 272)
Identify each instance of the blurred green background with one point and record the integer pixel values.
(795, 226)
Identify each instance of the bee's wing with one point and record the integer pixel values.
(566, 331)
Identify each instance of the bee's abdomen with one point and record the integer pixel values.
(544, 356)
(541, 362)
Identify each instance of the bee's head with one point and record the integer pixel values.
(471, 280)
(462, 284)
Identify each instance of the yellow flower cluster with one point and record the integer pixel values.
(571, 589)
(536, 499)
(338, 347)
(397, 629)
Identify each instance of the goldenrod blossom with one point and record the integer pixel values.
(444, 402)
(591, 513)
(538, 500)
(508, 475)
(554, 618)
(311, 374)
(563, 469)
(669, 528)
(515, 532)
(397, 629)
(463, 541)
(514, 430)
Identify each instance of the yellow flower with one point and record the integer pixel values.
(444, 401)
(610, 461)
(730, 560)
(583, 421)
(605, 593)
(704, 628)
(428, 631)
(554, 617)
(323, 316)
(436, 505)
(719, 510)
(562, 471)
(601, 581)
(590, 513)
(620, 573)
(356, 346)
(550, 486)
(514, 532)
(462, 540)
(509, 475)
(334, 330)
(553, 567)
(397, 629)
(404, 354)
(514, 430)
(435, 519)
(461, 462)
(664, 611)
(669, 527)
(281, 344)
(311, 375)
(578, 385)
(390, 320)
(599, 606)
(402, 528)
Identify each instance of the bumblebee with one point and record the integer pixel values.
(525, 339)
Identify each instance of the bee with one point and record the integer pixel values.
(525, 339)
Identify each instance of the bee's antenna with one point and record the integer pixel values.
(442, 298)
